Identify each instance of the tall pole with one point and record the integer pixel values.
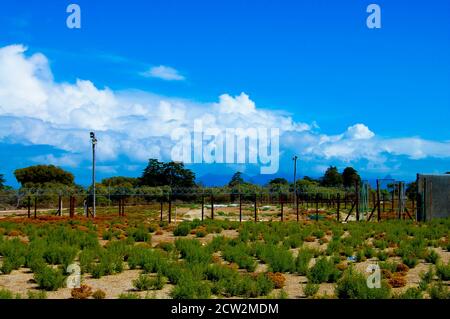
(94, 142)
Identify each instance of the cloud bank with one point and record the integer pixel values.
(37, 110)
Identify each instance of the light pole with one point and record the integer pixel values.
(295, 182)
(94, 142)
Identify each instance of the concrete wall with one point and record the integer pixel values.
(433, 196)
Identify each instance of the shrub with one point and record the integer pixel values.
(238, 255)
(191, 289)
(277, 279)
(432, 256)
(129, 295)
(382, 255)
(411, 293)
(302, 261)
(49, 279)
(410, 260)
(140, 234)
(192, 251)
(323, 270)
(397, 281)
(353, 285)
(6, 294)
(83, 292)
(310, 289)
(37, 294)
(143, 282)
(425, 279)
(182, 229)
(443, 271)
(99, 294)
(439, 291)
(278, 258)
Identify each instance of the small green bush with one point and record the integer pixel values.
(37, 294)
(443, 271)
(353, 285)
(49, 279)
(432, 256)
(302, 261)
(439, 291)
(182, 229)
(411, 293)
(129, 295)
(410, 261)
(310, 289)
(143, 282)
(323, 270)
(191, 289)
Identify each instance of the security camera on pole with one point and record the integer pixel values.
(94, 142)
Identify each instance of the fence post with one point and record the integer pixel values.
(35, 207)
(170, 209)
(72, 207)
(256, 214)
(280, 199)
(29, 207)
(357, 200)
(240, 207)
(378, 201)
(317, 207)
(203, 207)
(338, 199)
(212, 206)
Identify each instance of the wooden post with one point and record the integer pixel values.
(29, 207)
(240, 207)
(203, 207)
(35, 207)
(317, 207)
(170, 209)
(212, 206)
(72, 207)
(296, 207)
(161, 212)
(256, 208)
(393, 198)
(59, 205)
(357, 200)
(280, 199)
(378, 201)
(338, 203)
(400, 202)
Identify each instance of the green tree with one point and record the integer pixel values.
(279, 181)
(2, 181)
(236, 180)
(43, 174)
(332, 178)
(167, 174)
(116, 181)
(350, 176)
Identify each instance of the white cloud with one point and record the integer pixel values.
(164, 72)
(34, 109)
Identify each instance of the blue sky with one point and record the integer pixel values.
(308, 62)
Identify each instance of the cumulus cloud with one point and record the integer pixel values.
(35, 109)
(163, 72)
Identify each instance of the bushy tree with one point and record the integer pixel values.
(43, 174)
(332, 178)
(167, 174)
(350, 176)
(2, 181)
(236, 180)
